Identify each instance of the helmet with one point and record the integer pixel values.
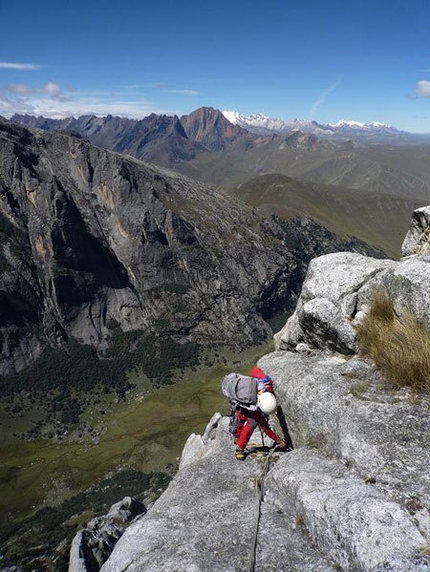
(267, 402)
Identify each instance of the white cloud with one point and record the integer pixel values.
(18, 66)
(423, 88)
(50, 102)
(322, 98)
(52, 89)
(184, 91)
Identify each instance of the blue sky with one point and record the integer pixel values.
(331, 60)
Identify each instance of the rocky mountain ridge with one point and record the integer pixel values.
(90, 238)
(255, 124)
(205, 129)
(352, 495)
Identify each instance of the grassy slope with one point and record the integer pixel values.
(366, 192)
(403, 171)
(399, 345)
(380, 220)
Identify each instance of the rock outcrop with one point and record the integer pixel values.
(344, 408)
(205, 520)
(353, 495)
(92, 546)
(417, 240)
(338, 291)
(317, 515)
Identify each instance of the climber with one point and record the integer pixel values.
(248, 417)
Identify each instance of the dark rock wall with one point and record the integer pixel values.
(88, 236)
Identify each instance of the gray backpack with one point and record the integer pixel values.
(240, 388)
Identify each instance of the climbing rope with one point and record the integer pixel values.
(259, 489)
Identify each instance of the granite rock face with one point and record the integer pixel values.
(328, 302)
(417, 240)
(316, 515)
(338, 290)
(345, 409)
(351, 522)
(367, 502)
(205, 521)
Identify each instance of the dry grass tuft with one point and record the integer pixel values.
(400, 347)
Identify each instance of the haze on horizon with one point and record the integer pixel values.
(366, 61)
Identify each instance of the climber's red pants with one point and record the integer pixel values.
(247, 422)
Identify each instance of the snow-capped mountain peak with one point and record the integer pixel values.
(260, 123)
(358, 125)
(348, 123)
(343, 129)
(254, 120)
(233, 116)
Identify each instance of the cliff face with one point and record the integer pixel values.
(90, 238)
(352, 495)
(211, 129)
(417, 241)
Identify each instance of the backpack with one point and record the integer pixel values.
(240, 388)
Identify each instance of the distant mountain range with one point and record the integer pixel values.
(214, 130)
(360, 164)
(369, 133)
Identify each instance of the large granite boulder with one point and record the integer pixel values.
(339, 288)
(338, 291)
(328, 302)
(417, 240)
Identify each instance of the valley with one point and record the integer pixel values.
(127, 446)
